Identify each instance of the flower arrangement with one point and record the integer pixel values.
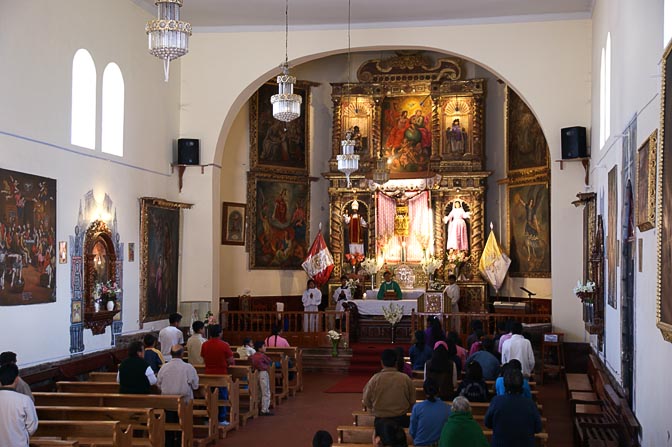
(430, 265)
(436, 286)
(457, 257)
(106, 291)
(209, 318)
(584, 291)
(393, 313)
(371, 266)
(354, 258)
(352, 284)
(334, 335)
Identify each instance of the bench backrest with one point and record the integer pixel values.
(120, 434)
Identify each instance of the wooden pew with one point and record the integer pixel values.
(148, 420)
(480, 408)
(93, 433)
(165, 402)
(271, 379)
(365, 419)
(295, 354)
(281, 375)
(232, 403)
(420, 393)
(248, 400)
(53, 443)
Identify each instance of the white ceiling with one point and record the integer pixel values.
(317, 13)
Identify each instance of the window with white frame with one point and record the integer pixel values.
(83, 117)
(112, 137)
(667, 22)
(603, 75)
(605, 92)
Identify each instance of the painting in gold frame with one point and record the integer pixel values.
(277, 146)
(664, 204)
(233, 223)
(407, 134)
(526, 145)
(646, 183)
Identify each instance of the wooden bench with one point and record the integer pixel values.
(164, 402)
(52, 443)
(87, 433)
(365, 419)
(420, 393)
(149, 420)
(271, 379)
(232, 403)
(248, 396)
(295, 355)
(281, 375)
(480, 408)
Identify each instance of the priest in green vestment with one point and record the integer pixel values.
(389, 286)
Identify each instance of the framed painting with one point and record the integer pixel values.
(28, 255)
(646, 183)
(526, 145)
(277, 146)
(407, 134)
(664, 203)
(279, 220)
(131, 252)
(159, 257)
(356, 114)
(458, 122)
(529, 229)
(612, 232)
(233, 223)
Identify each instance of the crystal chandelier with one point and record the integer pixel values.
(348, 161)
(286, 104)
(168, 35)
(381, 172)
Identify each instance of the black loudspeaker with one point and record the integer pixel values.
(188, 151)
(573, 142)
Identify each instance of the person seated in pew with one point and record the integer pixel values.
(135, 376)
(476, 327)
(419, 352)
(18, 419)
(454, 337)
(402, 366)
(461, 429)
(499, 383)
(246, 349)
(322, 438)
(389, 394)
(488, 361)
(152, 355)
(473, 387)
(262, 363)
(428, 416)
(514, 419)
(195, 342)
(180, 378)
(217, 355)
(9, 358)
(388, 433)
(478, 344)
(442, 369)
(434, 331)
(275, 340)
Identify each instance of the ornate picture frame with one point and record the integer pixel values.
(279, 220)
(646, 183)
(234, 223)
(664, 204)
(526, 147)
(529, 229)
(276, 146)
(28, 270)
(159, 257)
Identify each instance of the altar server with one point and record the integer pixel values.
(340, 296)
(312, 297)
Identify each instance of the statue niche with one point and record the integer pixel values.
(355, 220)
(99, 267)
(457, 218)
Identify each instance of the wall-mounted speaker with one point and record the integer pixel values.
(573, 142)
(188, 151)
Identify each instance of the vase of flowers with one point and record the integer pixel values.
(585, 292)
(354, 259)
(393, 314)
(371, 266)
(335, 338)
(429, 266)
(105, 294)
(457, 258)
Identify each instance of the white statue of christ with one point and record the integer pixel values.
(458, 238)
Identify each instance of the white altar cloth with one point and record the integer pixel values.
(410, 294)
(375, 307)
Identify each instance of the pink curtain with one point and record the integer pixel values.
(386, 244)
(420, 216)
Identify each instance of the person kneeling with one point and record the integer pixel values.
(262, 363)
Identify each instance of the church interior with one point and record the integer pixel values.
(511, 149)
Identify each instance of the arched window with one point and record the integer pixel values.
(83, 118)
(607, 88)
(667, 22)
(112, 140)
(603, 99)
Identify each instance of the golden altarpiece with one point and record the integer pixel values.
(427, 122)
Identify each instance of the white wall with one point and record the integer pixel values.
(38, 40)
(636, 32)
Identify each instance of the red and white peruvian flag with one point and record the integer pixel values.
(319, 264)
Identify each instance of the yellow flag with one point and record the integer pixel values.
(494, 263)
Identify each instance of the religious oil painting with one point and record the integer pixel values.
(612, 231)
(530, 230)
(664, 203)
(525, 141)
(458, 119)
(276, 145)
(646, 183)
(233, 223)
(356, 114)
(159, 252)
(278, 207)
(406, 134)
(28, 254)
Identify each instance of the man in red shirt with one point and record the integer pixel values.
(217, 355)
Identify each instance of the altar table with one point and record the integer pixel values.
(375, 307)
(409, 294)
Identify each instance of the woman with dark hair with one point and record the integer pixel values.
(428, 416)
(419, 352)
(473, 387)
(441, 368)
(499, 383)
(434, 331)
(275, 340)
(135, 376)
(461, 353)
(513, 418)
(402, 366)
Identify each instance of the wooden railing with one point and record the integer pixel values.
(236, 325)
